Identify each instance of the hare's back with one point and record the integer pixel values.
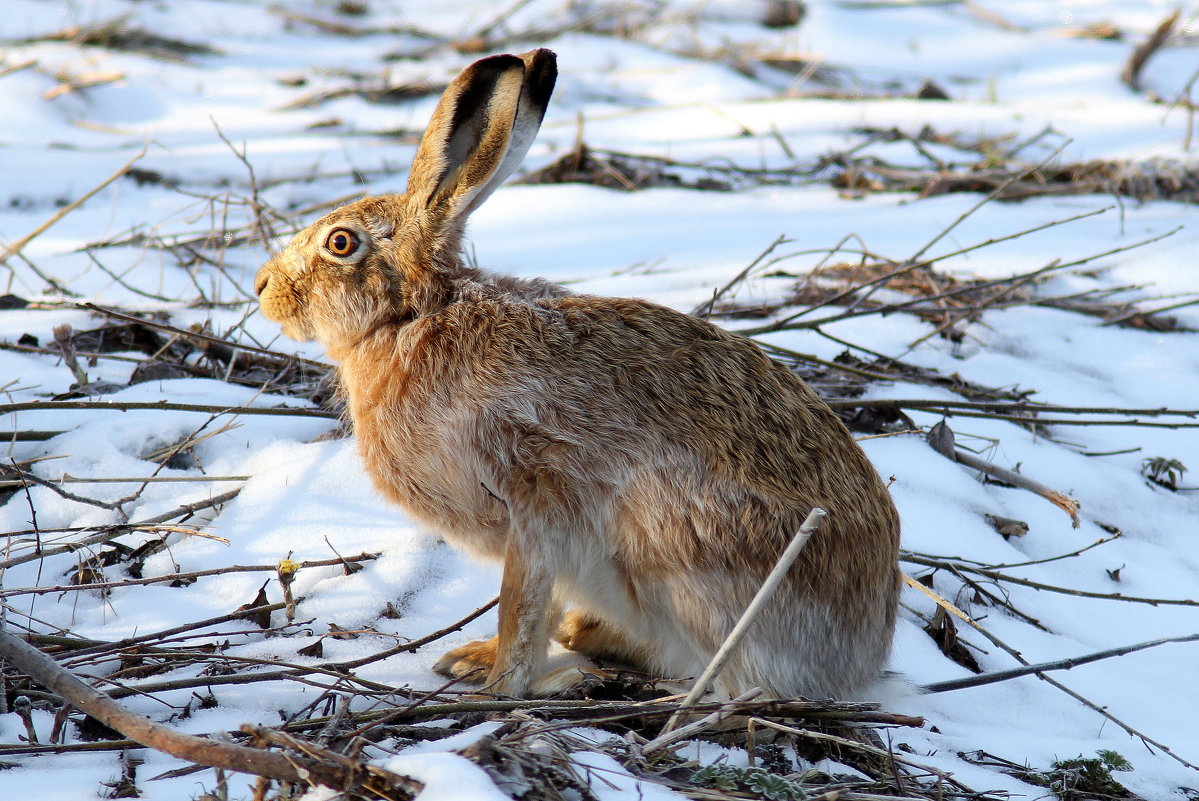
(686, 392)
(707, 389)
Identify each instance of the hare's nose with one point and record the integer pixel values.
(260, 283)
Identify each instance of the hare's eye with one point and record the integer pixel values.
(341, 242)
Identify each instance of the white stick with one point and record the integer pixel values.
(747, 617)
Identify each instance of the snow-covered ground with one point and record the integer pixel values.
(659, 92)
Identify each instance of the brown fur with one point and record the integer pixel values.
(641, 465)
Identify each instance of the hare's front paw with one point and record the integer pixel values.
(472, 661)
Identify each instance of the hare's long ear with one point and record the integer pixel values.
(479, 134)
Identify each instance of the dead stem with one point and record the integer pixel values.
(793, 324)
(185, 576)
(1053, 682)
(1131, 74)
(704, 309)
(164, 406)
(118, 315)
(1007, 407)
(337, 773)
(1036, 585)
(111, 532)
(339, 668)
(1059, 664)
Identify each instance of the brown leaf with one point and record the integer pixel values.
(316, 649)
(1007, 526)
(944, 632)
(940, 439)
(342, 634)
(261, 617)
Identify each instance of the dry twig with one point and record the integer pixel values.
(19, 245)
(106, 533)
(1057, 664)
(1131, 75)
(318, 769)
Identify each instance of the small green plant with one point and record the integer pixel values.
(752, 780)
(1163, 472)
(1082, 778)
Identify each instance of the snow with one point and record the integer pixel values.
(654, 95)
(447, 777)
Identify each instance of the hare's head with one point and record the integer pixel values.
(393, 258)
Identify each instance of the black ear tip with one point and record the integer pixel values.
(541, 58)
(541, 73)
(493, 65)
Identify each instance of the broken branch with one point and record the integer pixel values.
(1059, 664)
(292, 768)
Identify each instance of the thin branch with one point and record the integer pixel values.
(1055, 683)
(607, 711)
(120, 279)
(858, 746)
(1036, 585)
(84, 647)
(792, 323)
(279, 675)
(111, 532)
(262, 226)
(909, 265)
(943, 407)
(704, 309)
(129, 318)
(128, 406)
(19, 245)
(672, 735)
(26, 476)
(1065, 421)
(69, 479)
(1004, 566)
(1060, 664)
(994, 193)
(188, 576)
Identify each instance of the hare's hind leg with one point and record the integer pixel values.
(588, 635)
(580, 631)
(593, 637)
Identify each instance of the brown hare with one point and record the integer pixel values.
(638, 467)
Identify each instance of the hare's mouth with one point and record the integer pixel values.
(298, 331)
